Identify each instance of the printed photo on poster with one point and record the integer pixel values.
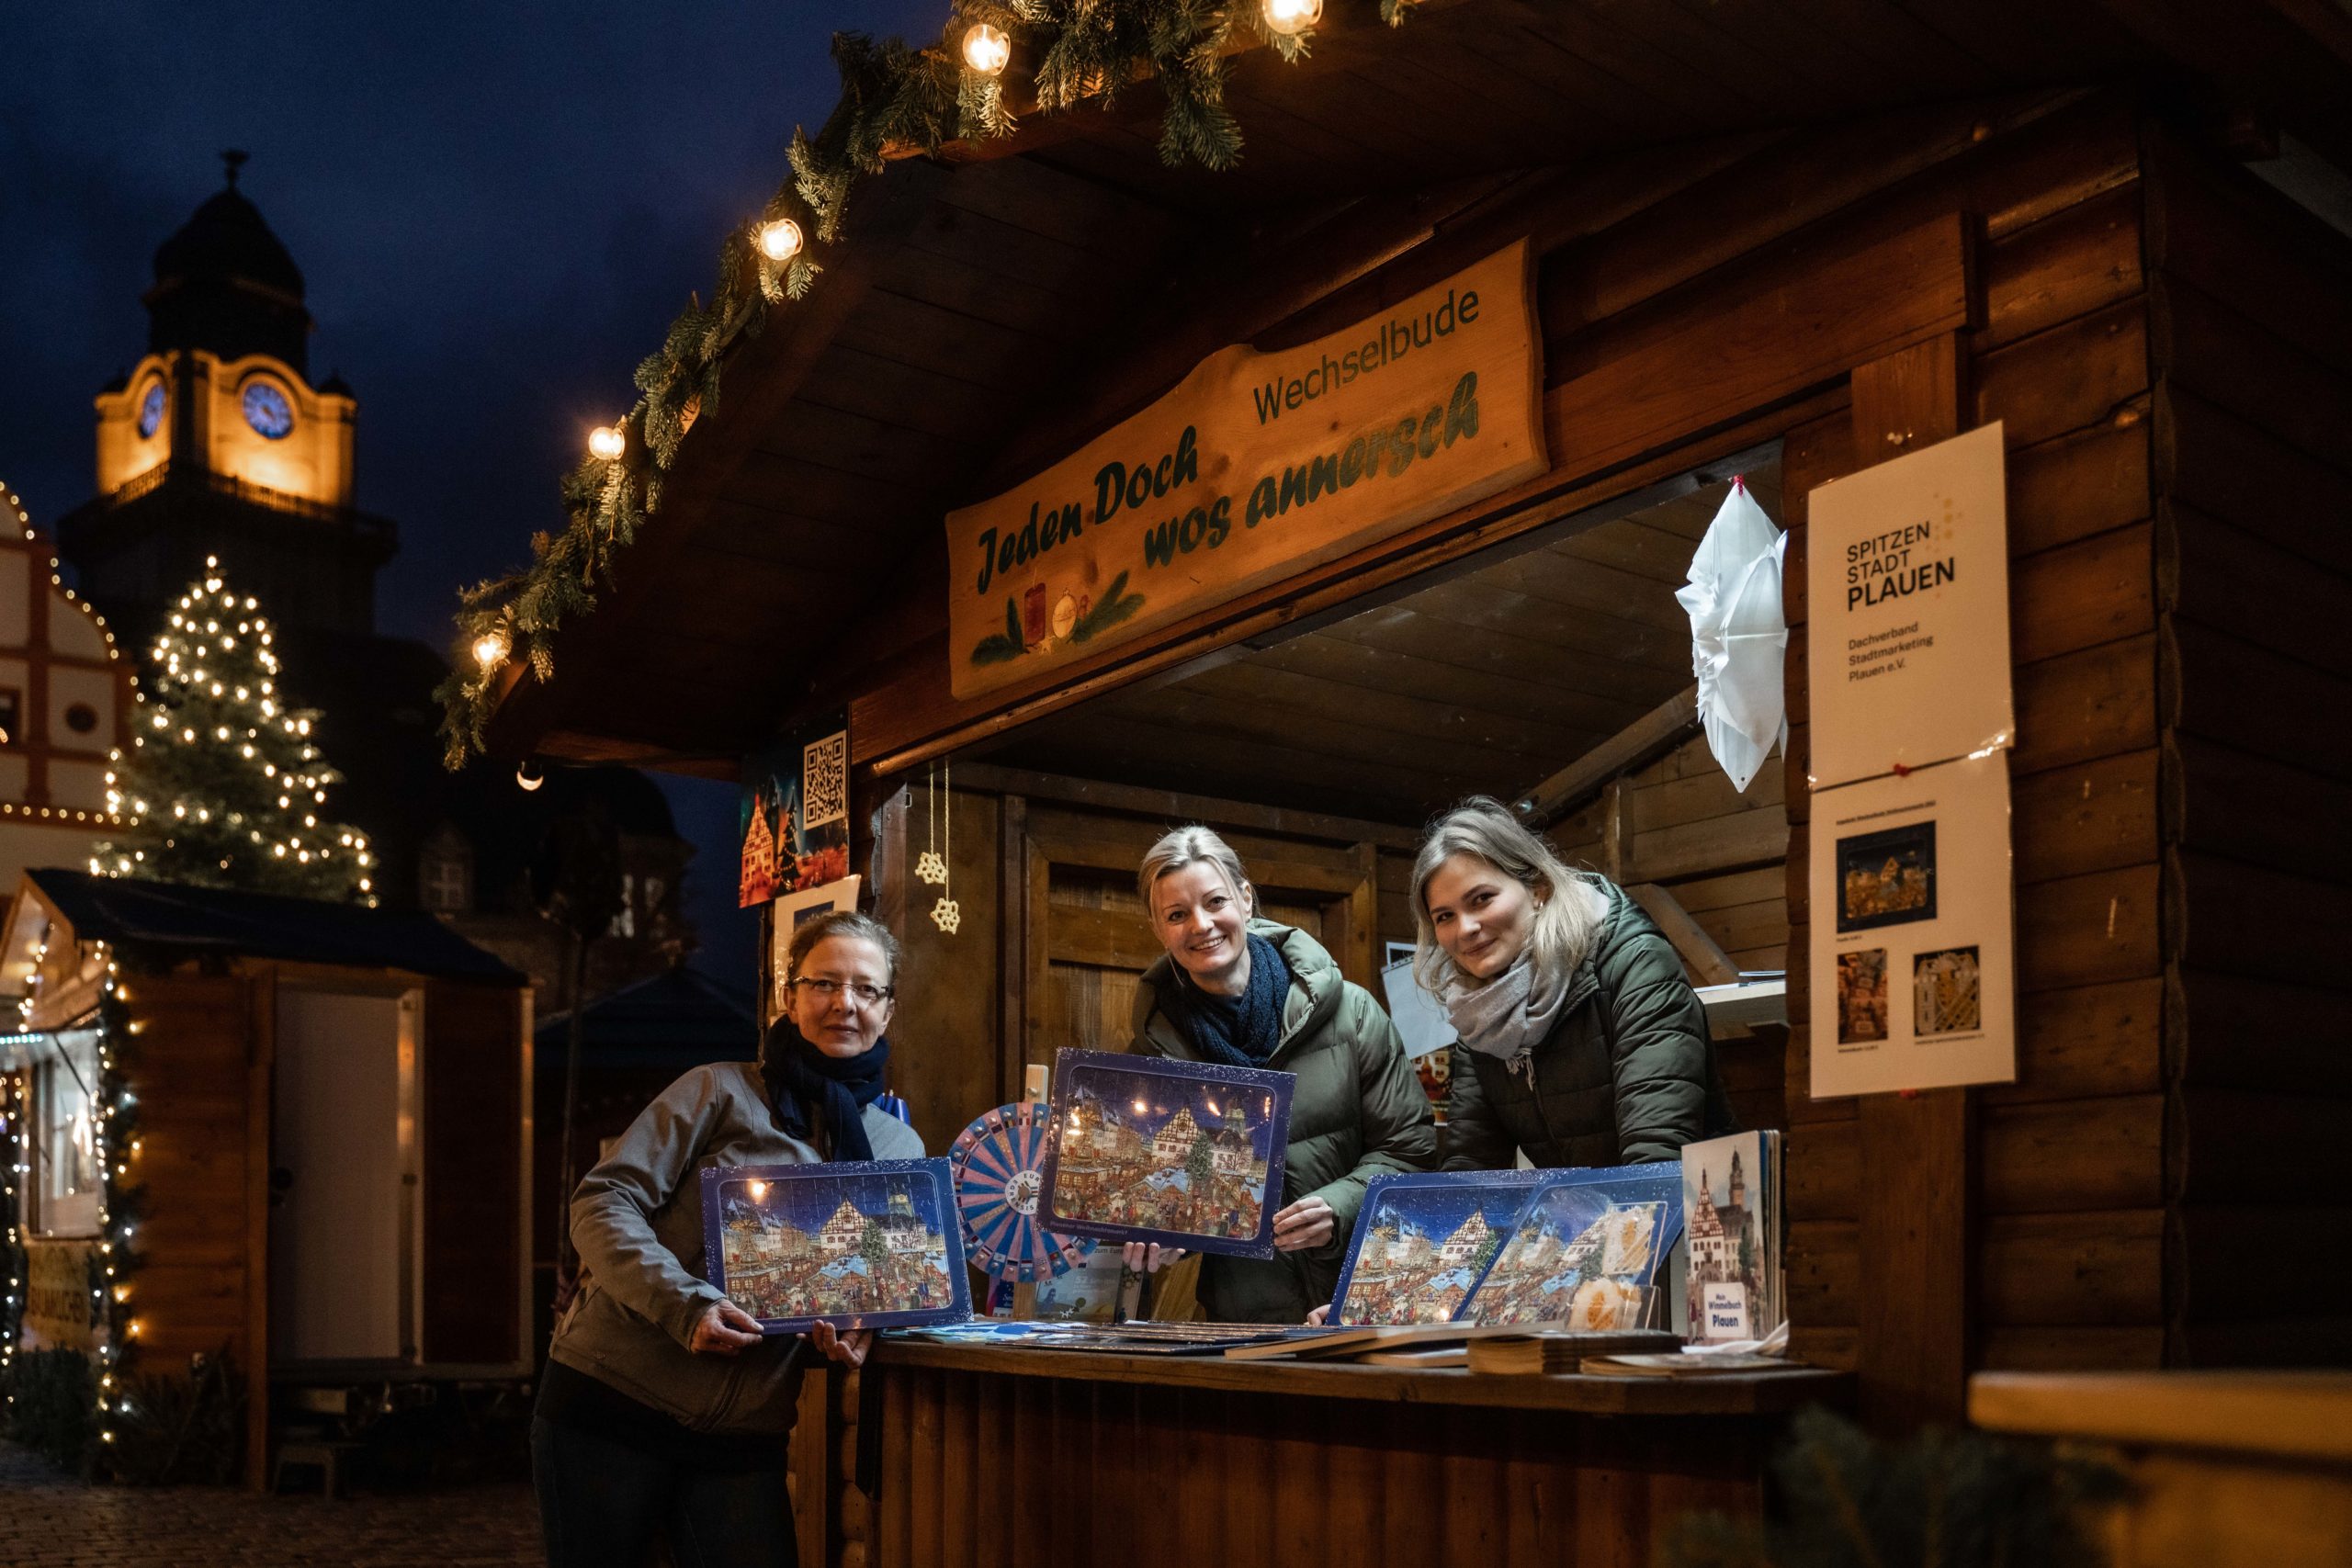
(1862, 996)
(871, 1245)
(795, 910)
(1946, 992)
(1886, 879)
(1185, 1154)
(1421, 1240)
(1915, 985)
(794, 829)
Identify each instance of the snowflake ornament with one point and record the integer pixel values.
(930, 868)
(946, 914)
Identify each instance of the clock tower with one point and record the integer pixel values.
(216, 443)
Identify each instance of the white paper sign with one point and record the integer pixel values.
(1913, 951)
(1420, 1020)
(1907, 586)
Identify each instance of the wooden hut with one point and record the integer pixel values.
(1786, 242)
(329, 1177)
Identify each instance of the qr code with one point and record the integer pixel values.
(824, 780)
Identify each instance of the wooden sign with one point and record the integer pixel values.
(1253, 468)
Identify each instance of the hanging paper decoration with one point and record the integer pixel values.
(946, 914)
(997, 1168)
(929, 866)
(1737, 635)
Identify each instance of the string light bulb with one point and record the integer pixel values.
(1290, 17)
(779, 242)
(986, 48)
(491, 649)
(607, 442)
(528, 778)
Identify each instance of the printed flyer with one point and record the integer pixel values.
(1908, 660)
(1912, 932)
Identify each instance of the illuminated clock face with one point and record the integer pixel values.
(267, 410)
(151, 410)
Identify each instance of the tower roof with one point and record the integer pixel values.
(224, 282)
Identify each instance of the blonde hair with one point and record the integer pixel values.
(1192, 845)
(841, 922)
(1569, 905)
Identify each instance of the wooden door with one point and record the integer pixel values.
(1085, 939)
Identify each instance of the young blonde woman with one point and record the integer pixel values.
(1586, 1045)
(1235, 989)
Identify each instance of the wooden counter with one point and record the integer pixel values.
(1005, 1456)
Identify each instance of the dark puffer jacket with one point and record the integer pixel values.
(1626, 1075)
(1358, 1112)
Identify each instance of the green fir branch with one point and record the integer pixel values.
(894, 98)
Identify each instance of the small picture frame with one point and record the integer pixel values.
(1184, 1153)
(859, 1244)
(1421, 1241)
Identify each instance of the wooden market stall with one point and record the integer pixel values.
(1785, 243)
(327, 1183)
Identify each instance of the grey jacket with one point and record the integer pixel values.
(637, 1222)
(1357, 1113)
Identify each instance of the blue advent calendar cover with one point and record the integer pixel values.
(1421, 1241)
(858, 1245)
(1184, 1153)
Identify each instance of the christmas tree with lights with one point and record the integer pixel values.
(222, 787)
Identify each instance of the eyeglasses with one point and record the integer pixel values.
(856, 992)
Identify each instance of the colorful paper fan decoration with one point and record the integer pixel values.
(998, 1165)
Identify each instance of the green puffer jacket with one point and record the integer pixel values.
(1358, 1112)
(1626, 1075)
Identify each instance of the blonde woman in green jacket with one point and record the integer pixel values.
(1244, 992)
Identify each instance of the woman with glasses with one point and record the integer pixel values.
(663, 1411)
(1254, 993)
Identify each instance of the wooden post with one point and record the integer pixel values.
(1917, 1149)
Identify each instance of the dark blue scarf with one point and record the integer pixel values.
(1240, 1031)
(803, 1081)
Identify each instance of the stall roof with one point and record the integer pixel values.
(679, 1019)
(168, 918)
(991, 307)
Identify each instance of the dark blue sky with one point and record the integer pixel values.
(497, 208)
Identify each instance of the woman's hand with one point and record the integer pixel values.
(1307, 1223)
(848, 1347)
(1319, 1316)
(724, 1329)
(1147, 1257)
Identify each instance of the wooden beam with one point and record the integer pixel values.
(1919, 1156)
(1176, 805)
(1708, 963)
(1649, 737)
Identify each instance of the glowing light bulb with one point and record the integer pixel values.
(779, 242)
(526, 778)
(1291, 16)
(491, 649)
(607, 442)
(987, 50)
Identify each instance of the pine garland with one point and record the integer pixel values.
(15, 1105)
(894, 97)
(121, 1204)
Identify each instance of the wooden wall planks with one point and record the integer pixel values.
(2251, 346)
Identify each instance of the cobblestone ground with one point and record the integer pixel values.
(49, 1520)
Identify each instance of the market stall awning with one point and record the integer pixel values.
(167, 920)
(988, 310)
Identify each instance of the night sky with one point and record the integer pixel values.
(497, 210)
